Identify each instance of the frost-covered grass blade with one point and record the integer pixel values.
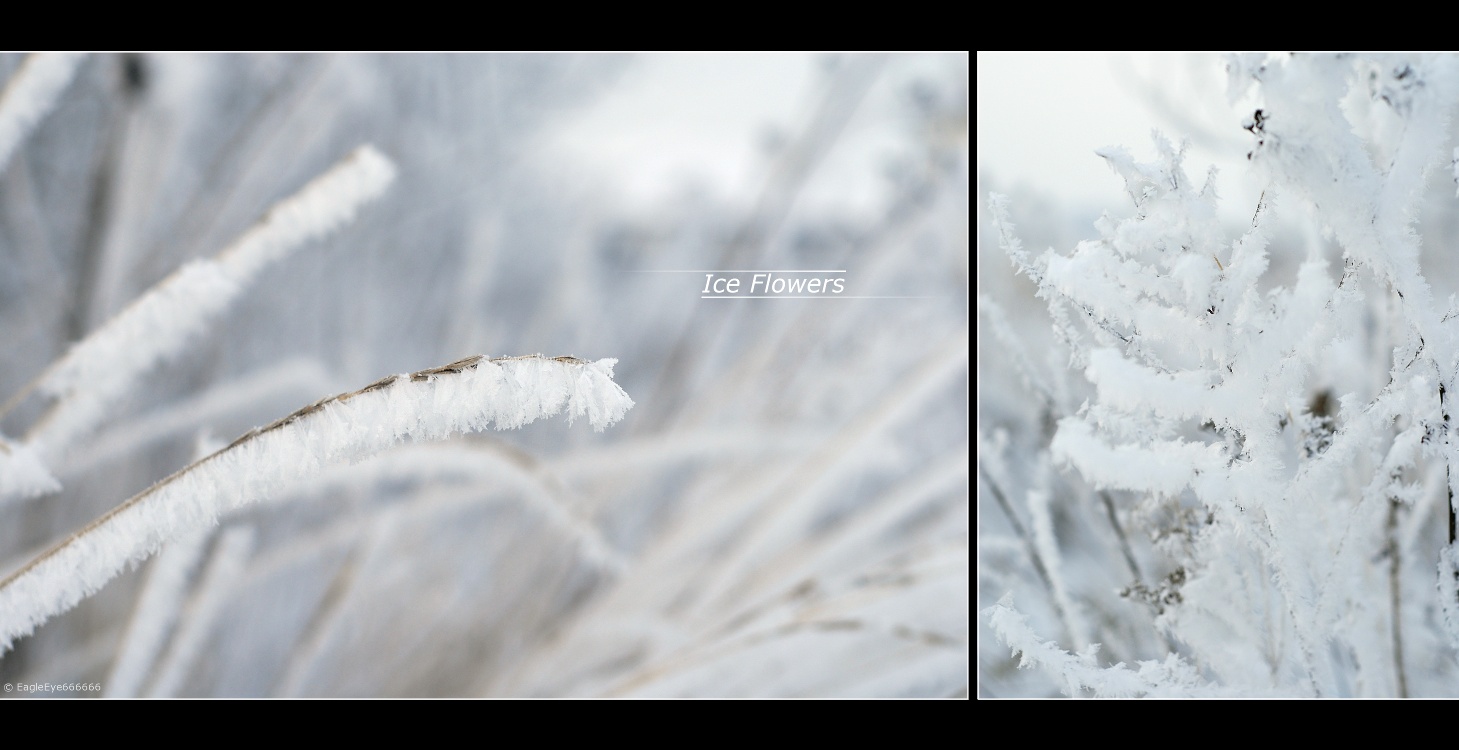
(469, 395)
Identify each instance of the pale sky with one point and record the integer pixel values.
(1042, 115)
(676, 119)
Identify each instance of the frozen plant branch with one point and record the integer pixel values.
(98, 370)
(22, 473)
(469, 395)
(1278, 411)
(30, 95)
(1171, 678)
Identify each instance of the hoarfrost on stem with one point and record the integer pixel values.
(470, 395)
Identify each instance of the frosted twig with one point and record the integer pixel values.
(1171, 678)
(22, 473)
(1041, 519)
(1029, 548)
(101, 368)
(1448, 585)
(280, 384)
(1008, 240)
(471, 394)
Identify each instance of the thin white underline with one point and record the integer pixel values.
(741, 270)
(815, 296)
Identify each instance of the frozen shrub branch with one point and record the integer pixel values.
(1271, 466)
(469, 395)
